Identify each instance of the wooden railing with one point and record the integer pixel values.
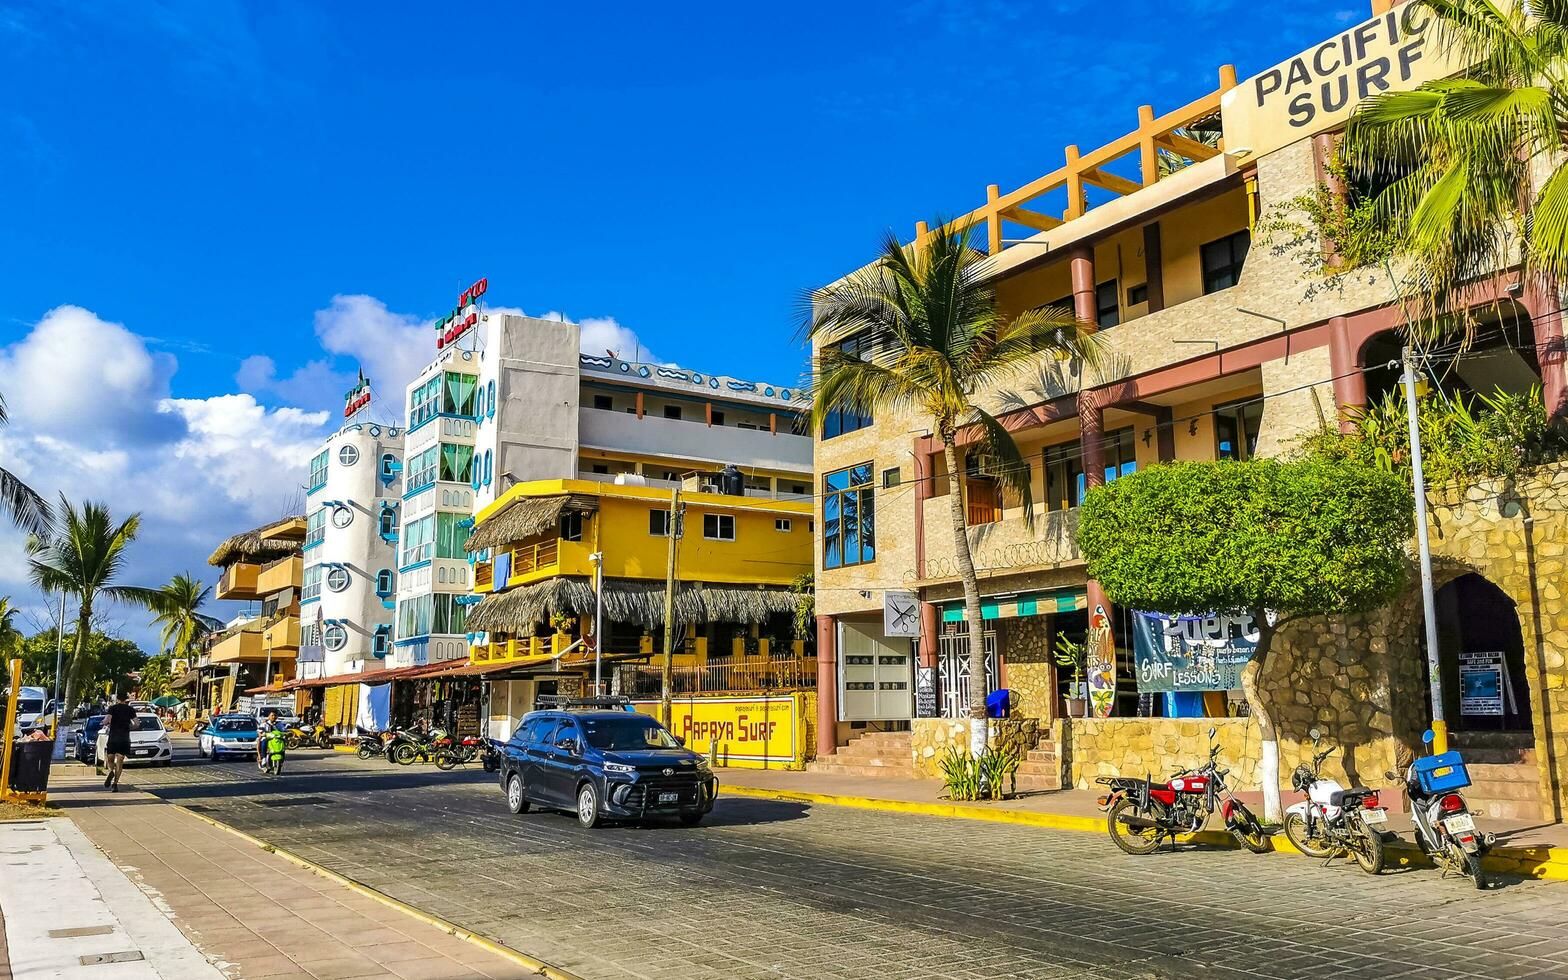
(484, 574)
(519, 648)
(526, 559)
(750, 677)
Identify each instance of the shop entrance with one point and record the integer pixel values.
(953, 671)
(1481, 653)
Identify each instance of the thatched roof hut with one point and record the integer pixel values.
(523, 518)
(276, 539)
(626, 601)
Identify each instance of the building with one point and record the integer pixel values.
(262, 566)
(1219, 349)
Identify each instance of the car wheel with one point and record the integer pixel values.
(516, 799)
(588, 805)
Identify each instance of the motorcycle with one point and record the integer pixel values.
(1333, 821)
(1140, 813)
(370, 744)
(309, 735)
(1444, 825)
(410, 746)
(267, 763)
(492, 755)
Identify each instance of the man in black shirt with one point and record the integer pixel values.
(121, 716)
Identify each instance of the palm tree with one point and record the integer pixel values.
(27, 509)
(1457, 155)
(177, 611)
(10, 636)
(935, 343)
(84, 556)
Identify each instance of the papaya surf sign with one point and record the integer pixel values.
(463, 317)
(1320, 88)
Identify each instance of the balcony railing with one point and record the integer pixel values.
(526, 560)
(519, 648)
(239, 581)
(750, 677)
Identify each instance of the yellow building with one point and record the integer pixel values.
(265, 566)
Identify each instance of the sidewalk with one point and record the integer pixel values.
(1536, 850)
(251, 913)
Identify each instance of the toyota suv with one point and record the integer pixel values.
(615, 765)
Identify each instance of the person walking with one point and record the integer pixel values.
(121, 716)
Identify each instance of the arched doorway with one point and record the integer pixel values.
(1481, 652)
(1500, 356)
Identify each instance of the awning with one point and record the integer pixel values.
(188, 679)
(440, 669)
(636, 601)
(1020, 604)
(523, 518)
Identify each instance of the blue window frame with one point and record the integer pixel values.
(490, 398)
(842, 420)
(384, 582)
(318, 471)
(381, 641)
(489, 465)
(848, 517)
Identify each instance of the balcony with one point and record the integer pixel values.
(1004, 547)
(529, 563)
(240, 645)
(753, 676)
(520, 648)
(239, 581)
(285, 573)
(282, 635)
(694, 440)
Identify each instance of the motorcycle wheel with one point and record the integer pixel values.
(324, 740)
(1467, 863)
(367, 753)
(1367, 849)
(445, 760)
(291, 741)
(404, 755)
(1296, 830)
(1129, 839)
(1248, 831)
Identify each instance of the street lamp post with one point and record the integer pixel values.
(598, 619)
(59, 669)
(1428, 601)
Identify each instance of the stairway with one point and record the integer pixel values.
(876, 754)
(1040, 769)
(1505, 780)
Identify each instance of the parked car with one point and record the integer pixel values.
(31, 703)
(149, 742)
(604, 765)
(227, 735)
(86, 748)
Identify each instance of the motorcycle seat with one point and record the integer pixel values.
(1347, 797)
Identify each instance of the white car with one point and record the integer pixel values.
(227, 735)
(149, 742)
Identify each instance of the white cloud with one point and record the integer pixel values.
(355, 331)
(604, 333)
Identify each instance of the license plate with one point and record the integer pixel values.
(1459, 823)
(144, 751)
(669, 797)
(1375, 816)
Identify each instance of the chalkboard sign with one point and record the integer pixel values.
(925, 692)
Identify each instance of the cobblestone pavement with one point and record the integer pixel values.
(768, 889)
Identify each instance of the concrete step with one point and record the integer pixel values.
(1497, 756)
(1037, 783)
(1491, 772)
(1481, 740)
(1041, 755)
(1506, 809)
(850, 769)
(881, 737)
(1489, 790)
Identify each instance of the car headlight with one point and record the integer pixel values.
(618, 767)
(702, 765)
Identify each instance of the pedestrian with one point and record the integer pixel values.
(121, 717)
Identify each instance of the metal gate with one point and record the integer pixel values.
(953, 671)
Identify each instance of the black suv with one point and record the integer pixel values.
(604, 765)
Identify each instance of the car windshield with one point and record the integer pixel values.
(233, 725)
(29, 706)
(627, 733)
(147, 723)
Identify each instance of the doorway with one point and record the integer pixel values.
(1481, 655)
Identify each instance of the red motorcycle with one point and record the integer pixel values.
(1140, 813)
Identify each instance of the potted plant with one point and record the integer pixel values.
(1068, 655)
(563, 622)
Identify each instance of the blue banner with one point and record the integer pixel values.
(1191, 653)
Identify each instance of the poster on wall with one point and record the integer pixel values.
(900, 614)
(1100, 651)
(1191, 653)
(1481, 683)
(925, 692)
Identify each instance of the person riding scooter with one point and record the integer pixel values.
(274, 743)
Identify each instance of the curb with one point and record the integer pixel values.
(537, 967)
(1546, 863)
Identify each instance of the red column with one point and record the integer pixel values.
(1082, 268)
(1350, 383)
(929, 631)
(827, 686)
(1091, 432)
(1547, 319)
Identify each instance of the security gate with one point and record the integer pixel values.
(953, 671)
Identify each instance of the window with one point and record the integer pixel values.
(309, 634)
(459, 394)
(422, 469)
(387, 522)
(982, 491)
(342, 516)
(479, 403)
(424, 403)
(604, 403)
(1063, 476)
(761, 483)
(601, 469)
(457, 463)
(334, 637)
(316, 528)
(892, 477)
(310, 587)
(490, 398)
(438, 612)
(572, 526)
(798, 488)
(381, 641)
(489, 466)
(384, 583)
(718, 527)
(672, 411)
(348, 455)
(718, 418)
(848, 517)
(1236, 426)
(318, 471)
(337, 578)
(1107, 305)
(418, 540)
(388, 466)
(451, 535)
(781, 524)
(1120, 459)
(842, 420)
(659, 523)
(1222, 261)
(1138, 294)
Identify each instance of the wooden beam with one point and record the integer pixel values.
(1189, 148)
(1153, 267)
(639, 404)
(1032, 219)
(1111, 182)
(993, 221)
(1148, 159)
(1075, 199)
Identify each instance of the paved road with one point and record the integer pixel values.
(767, 889)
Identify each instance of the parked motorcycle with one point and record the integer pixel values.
(1333, 821)
(492, 755)
(411, 745)
(1140, 813)
(370, 744)
(311, 735)
(1444, 824)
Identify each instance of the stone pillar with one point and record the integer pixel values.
(1543, 301)
(1350, 382)
(1082, 269)
(930, 629)
(827, 686)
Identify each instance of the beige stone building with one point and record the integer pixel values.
(1223, 345)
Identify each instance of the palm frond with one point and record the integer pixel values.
(28, 510)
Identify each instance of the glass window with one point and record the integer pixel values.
(848, 517)
(672, 411)
(337, 579)
(1107, 308)
(451, 536)
(604, 403)
(718, 527)
(348, 455)
(310, 587)
(381, 641)
(572, 526)
(457, 463)
(334, 637)
(490, 399)
(840, 421)
(422, 469)
(1120, 458)
(1223, 259)
(1236, 427)
(659, 523)
(489, 465)
(384, 582)
(782, 524)
(387, 521)
(418, 540)
(318, 471)
(459, 395)
(388, 464)
(438, 612)
(1063, 476)
(316, 527)
(424, 403)
(342, 516)
(891, 478)
(627, 734)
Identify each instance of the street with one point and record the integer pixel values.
(769, 889)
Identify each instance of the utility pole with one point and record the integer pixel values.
(673, 529)
(598, 619)
(1428, 603)
(59, 692)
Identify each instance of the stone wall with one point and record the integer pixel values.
(930, 738)
(1031, 676)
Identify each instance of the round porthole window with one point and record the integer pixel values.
(335, 637)
(348, 455)
(337, 579)
(342, 517)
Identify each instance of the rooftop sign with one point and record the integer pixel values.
(358, 396)
(463, 316)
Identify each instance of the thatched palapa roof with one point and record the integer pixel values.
(275, 539)
(625, 601)
(520, 519)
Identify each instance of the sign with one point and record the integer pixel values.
(925, 693)
(1320, 88)
(1481, 683)
(900, 614)
(463, 316)
(1192, 653)
(1100, 651)
(761, 731)
(358, 396)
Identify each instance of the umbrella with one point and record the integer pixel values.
(167, 701)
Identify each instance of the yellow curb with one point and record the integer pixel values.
(1547, 863)
(538, 967)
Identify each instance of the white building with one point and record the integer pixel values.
(350, 578)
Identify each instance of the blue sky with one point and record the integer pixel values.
(243, 200)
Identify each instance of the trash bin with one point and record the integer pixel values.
(30, 766)
(999, 704)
